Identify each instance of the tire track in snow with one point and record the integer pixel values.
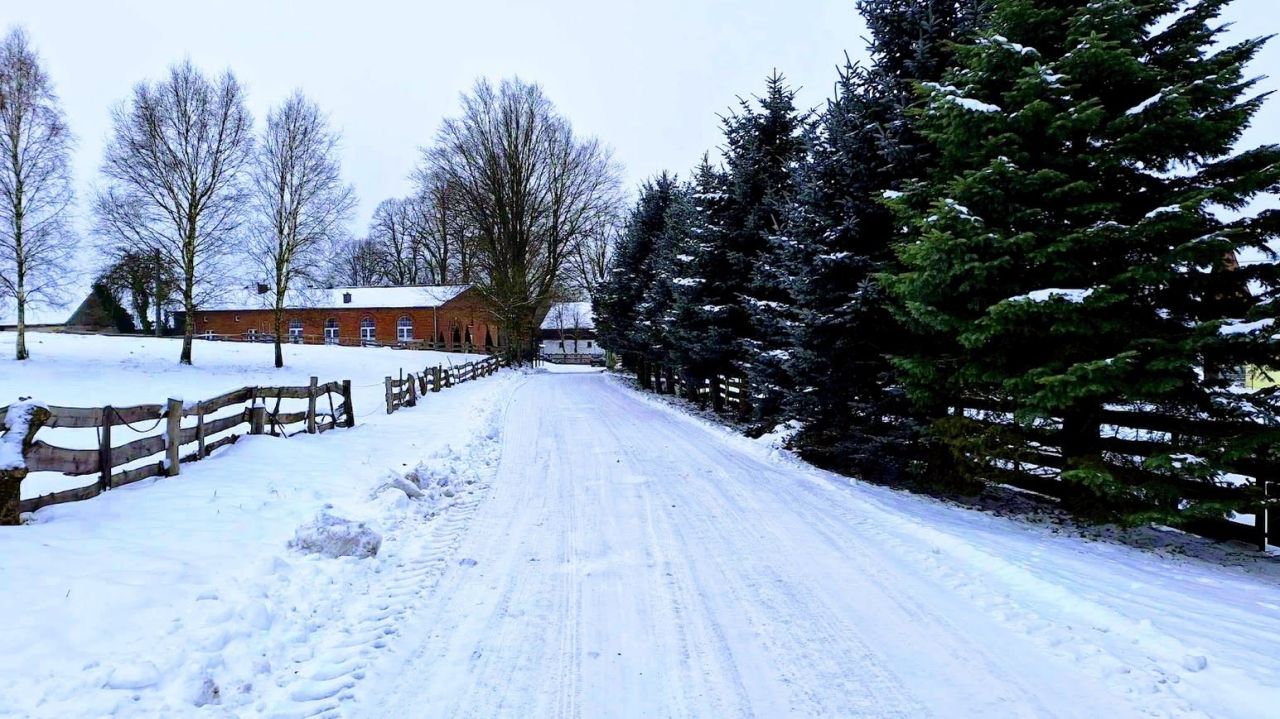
(322, 679)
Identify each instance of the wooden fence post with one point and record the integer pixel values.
(717, 397)
(200, 453)
(390, 403)
(104, 451)
(173, 435)
(435, 378)
(346, 402)
(11, 479)
(413, 391)
(1271, 490)
(257, 418)
(311, 405)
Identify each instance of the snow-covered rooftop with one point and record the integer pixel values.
(570, 315)
(248, 298)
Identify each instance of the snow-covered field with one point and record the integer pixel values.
(93, 371)
(556, 544)
(180, 597)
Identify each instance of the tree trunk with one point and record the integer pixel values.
(22, 323)
(159, 323)
(188, 304)
(278, 318)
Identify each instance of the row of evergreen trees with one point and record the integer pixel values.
(1033, 205)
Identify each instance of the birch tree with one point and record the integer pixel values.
(300, 202)
(175, 168)
(36, 242)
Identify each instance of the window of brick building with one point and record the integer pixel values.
(331, 331)
(404, 328)
(367, 329)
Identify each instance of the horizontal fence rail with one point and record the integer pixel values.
(405, 390)
(206, 420)
(209, 425)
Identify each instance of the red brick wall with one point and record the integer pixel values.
(461, 312)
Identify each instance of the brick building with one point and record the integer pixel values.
(448, 317)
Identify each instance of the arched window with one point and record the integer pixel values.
(366, 329)
(295, 330)
(404, 328)
(331, 331)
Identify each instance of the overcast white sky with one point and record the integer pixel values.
(647, 77)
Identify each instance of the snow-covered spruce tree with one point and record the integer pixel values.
(763, 146)
(1067, 244)
(655, 312)
(630, 278)
(912, 39)
(703, 345)
(854, 414)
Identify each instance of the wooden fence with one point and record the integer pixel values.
(1130, 441)
(404, 391)
(572, 358)
(1134, 444)
(262, 415)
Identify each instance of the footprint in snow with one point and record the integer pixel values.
(468, 562)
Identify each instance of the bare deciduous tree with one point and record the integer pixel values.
(399, 260)
(36, 242)
(301, 203)
(529, 189)
(175, 167)
(437, 223)
(589, 260)
(353, 262)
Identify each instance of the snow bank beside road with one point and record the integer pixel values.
(158, 598)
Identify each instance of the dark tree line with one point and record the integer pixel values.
(1015, 204)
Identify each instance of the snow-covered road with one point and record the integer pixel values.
(632, 561)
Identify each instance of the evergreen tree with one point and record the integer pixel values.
(703, 344)
(656, 311)
(763, 147)
(855, 417)
(1067, 246)
(620, 323)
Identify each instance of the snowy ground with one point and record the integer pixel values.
(93, 371)
(601, 554)
(180, 597)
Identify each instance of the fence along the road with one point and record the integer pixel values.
(404, 391)
(209, 428)
(1129, 438)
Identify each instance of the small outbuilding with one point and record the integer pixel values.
(569, 334)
